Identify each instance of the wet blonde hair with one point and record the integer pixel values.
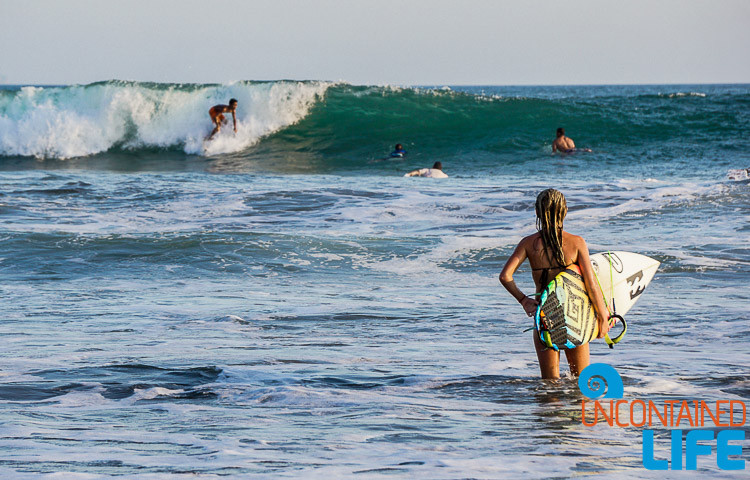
(551, 209)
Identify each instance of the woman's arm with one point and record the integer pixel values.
(592, 288)
(506, 278)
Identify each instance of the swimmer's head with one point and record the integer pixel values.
(551, 210)
(399, 147)
(560, 132)
(438, 166)
(233, 103)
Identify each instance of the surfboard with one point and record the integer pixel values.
(565, 316)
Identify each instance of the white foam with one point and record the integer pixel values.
(663, 386)
(78, 399)
(685, 94)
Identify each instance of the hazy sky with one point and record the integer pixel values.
(519, 42)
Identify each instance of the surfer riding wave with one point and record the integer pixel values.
(217, 116)
(550, 251)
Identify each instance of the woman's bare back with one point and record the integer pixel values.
(543, 267)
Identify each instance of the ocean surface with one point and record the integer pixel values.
(283, 303)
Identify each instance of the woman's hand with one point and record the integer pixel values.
(529, 305)
(604, 326)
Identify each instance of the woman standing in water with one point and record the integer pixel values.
(550, 251)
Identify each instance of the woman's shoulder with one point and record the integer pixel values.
(531, 244)
(573, 239)
(531, 238)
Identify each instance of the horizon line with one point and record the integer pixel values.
(430, 85)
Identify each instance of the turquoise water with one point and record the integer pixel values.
(286, 304)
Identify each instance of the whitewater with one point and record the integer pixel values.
(283, 303)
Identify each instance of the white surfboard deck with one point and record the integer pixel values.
(623, 277)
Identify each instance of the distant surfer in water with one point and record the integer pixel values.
(739, 174)
(435, 172)
(565, 144)
(398, 151)
(217, 116)
(550, 251)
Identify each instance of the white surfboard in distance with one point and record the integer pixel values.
(623, 277)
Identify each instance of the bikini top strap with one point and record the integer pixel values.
(544, 280)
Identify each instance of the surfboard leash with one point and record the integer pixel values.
(612, 311)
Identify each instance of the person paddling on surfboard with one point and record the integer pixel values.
(435, 172)
(550, 251)
(398, 151)
(565, 144)
(217, 116)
